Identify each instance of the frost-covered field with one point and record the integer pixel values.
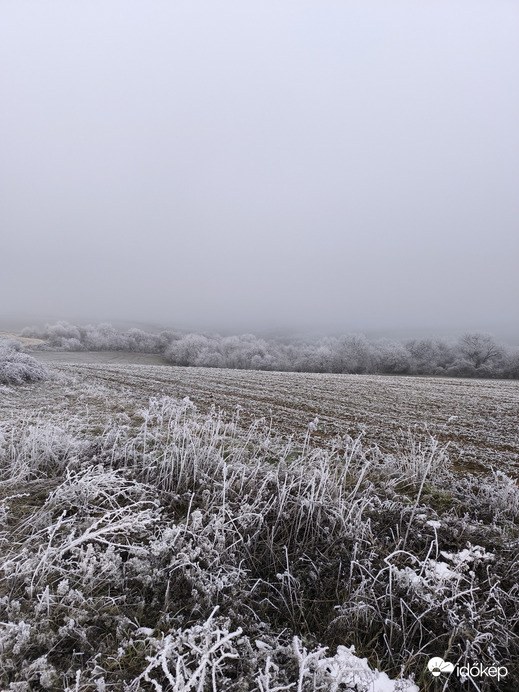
(479, 418)
(153, 543)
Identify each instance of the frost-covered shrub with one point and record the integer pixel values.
(63, 336)
(391, 357)
(429, 356)
(17, 367)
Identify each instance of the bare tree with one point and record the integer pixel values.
(480, 349)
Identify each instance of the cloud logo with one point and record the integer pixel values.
(437, 665)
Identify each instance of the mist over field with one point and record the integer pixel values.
(329, 168)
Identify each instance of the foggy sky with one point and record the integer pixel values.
(232, 165)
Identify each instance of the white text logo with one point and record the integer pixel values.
(437, 666)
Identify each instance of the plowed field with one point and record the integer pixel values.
(479, 418)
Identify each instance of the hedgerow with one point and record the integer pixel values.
(472, 355)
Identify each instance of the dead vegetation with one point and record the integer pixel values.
(176, 550)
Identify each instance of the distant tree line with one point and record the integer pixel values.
(472, 355)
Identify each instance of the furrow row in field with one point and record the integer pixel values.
(478, 417)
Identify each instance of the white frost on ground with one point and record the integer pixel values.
(470, 554)
(347, 669)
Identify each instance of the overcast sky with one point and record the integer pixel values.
(336, 166)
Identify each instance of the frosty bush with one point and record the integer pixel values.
(16, 366)
(99, 337)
